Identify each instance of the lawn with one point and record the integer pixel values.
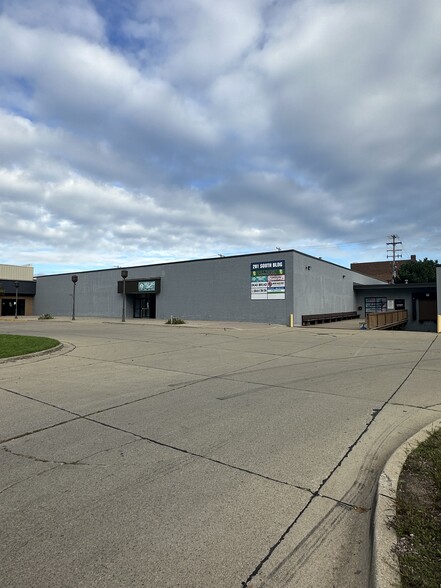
(13, 345)
(418, 516)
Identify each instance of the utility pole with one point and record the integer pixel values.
(395, 254)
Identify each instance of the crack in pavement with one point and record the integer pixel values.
(344, 372)
(153, 441)
(313, 494)
(27, 478)
(80, 461)
(428, 407)
(47, 428)
(246, 583)
(200, 456)
(42, 460)
(75, 416)
(58, 463)
(138, 436)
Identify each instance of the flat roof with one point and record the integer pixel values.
(218, 259)
(414, 286)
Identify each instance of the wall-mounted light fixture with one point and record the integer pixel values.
(307, 267)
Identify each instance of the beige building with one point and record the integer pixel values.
(17, 290)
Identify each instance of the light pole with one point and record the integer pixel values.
(124, 274)
(16, 284)
(74, 282)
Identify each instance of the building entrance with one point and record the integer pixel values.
(424, 306)
(144, 306)
(8, 307)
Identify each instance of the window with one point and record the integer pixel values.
(375, 304)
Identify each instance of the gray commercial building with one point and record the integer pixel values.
(420, 301)
(263, 287)
(438, 281)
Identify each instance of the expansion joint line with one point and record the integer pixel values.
(88, 417)
(75, 416)
(375, 414)
(199, 455)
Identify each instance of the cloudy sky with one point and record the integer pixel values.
(136, 131)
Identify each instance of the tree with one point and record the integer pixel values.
(417, 272)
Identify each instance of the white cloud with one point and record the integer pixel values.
(154, 130)
(94, 90)
(76, 16)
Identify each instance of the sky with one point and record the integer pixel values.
(142, 131)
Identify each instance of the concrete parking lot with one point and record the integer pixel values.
(221, 455)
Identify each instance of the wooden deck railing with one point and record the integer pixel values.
(386, 320)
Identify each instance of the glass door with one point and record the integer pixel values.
(144, 306)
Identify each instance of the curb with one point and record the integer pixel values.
(59, 349)
(385, 561)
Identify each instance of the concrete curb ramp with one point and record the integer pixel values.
(385, 561)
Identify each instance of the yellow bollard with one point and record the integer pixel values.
(439, 324)
(291, 320)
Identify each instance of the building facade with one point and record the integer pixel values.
(17, 290)
(381, 270)
(420, 301)
(263, 287)
(438, 281)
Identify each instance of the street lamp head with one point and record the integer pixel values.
(16, 284)
(124, 274)
(74, 279)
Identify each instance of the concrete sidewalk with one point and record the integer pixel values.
(204, 455)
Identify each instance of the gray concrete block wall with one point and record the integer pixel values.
(319, 287)
(96, 294)
(220, 289)
(209, 289)
(212, 289)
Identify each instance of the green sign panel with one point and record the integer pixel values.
(149, 286)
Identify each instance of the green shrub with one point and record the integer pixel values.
(44, 317)
(174, 320)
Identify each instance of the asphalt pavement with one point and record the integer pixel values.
(205, 455)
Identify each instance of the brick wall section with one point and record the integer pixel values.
(382, 270)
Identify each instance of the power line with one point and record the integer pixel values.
(396, 254)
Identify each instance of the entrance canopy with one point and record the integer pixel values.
(141, 286)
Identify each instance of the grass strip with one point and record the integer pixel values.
(418, 516)
(14, 345)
